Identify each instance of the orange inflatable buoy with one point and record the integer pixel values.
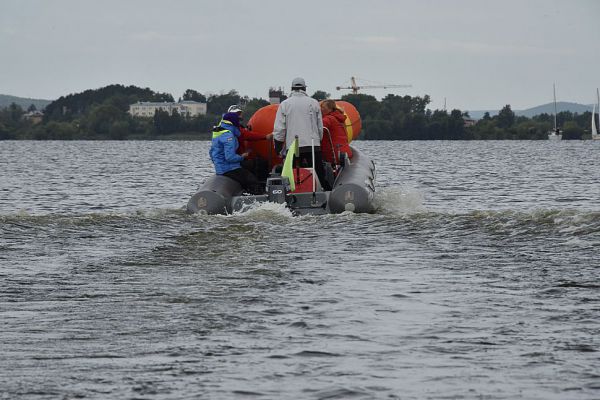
(353, 122)
(263, 120)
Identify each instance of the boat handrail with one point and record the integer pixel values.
(335, 157)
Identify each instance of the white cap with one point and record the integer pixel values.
(298, 83)
(234, 108)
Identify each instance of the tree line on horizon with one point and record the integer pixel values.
(102, 114)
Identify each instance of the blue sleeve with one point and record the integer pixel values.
(230, 145)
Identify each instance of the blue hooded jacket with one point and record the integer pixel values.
(224, 146)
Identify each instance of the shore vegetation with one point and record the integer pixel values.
(102, 114)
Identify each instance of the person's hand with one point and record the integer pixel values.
(278, 146)
(269, 136)
(246, 154)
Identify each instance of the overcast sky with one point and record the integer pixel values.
(477, 54)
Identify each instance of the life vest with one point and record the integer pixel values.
(219, 130)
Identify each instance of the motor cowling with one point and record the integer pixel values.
(277, 189)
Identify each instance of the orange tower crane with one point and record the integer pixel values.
(355, 88)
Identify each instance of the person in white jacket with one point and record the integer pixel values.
(300, 115)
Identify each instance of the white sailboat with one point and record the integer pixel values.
(554, 134)
(595, 134)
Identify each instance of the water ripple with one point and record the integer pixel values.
(476, 278)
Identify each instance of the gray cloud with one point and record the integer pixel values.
(476, 54)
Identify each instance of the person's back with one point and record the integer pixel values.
(225, 158)
(334, 121)
(223, 148)
(299, 115)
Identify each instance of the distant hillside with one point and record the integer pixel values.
(560, 106)
(537, 110)
(6, 100)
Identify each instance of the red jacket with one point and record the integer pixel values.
(248, 136)
(334, 122)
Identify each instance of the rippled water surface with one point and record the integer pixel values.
(478, 277)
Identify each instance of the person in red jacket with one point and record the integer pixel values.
(333, 120)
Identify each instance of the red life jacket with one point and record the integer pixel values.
(334, 122)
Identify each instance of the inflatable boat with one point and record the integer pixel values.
(352, 181)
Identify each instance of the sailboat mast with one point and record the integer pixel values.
(594, 129)
(594, 133)
(554, 90)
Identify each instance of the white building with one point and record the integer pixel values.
(184, 108)
(34, 116)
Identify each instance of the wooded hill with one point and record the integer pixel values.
(24, 102)
(102, 114)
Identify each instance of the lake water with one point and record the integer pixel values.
(477, 278)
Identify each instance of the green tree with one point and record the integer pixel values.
(321, 95)
(100, 119)
(202, 123)
(192, 95)
(506, 117)
(572, 131)
(365, 104)
(376, 129)
(57, 131)
(456, 126)
(161, 122)
(165, 123)
(219, 103)
(15, 112)
(119, 130)
(5, 133)
(437, 127)
(67, 108)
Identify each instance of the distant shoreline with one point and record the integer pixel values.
(106, 114)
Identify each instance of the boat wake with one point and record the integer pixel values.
(268, 210)
(394, 202)
(398, 201)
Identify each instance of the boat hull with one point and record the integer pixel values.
(353, 190)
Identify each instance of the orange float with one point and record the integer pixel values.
(353, 122)
(264, 118)
(262, 122)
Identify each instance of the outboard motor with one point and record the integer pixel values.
(277, 189)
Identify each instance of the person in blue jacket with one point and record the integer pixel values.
(224, 157)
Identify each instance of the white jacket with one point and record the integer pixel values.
(299, 115)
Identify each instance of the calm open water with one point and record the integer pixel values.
(477, 278)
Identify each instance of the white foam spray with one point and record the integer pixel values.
(398, 200)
